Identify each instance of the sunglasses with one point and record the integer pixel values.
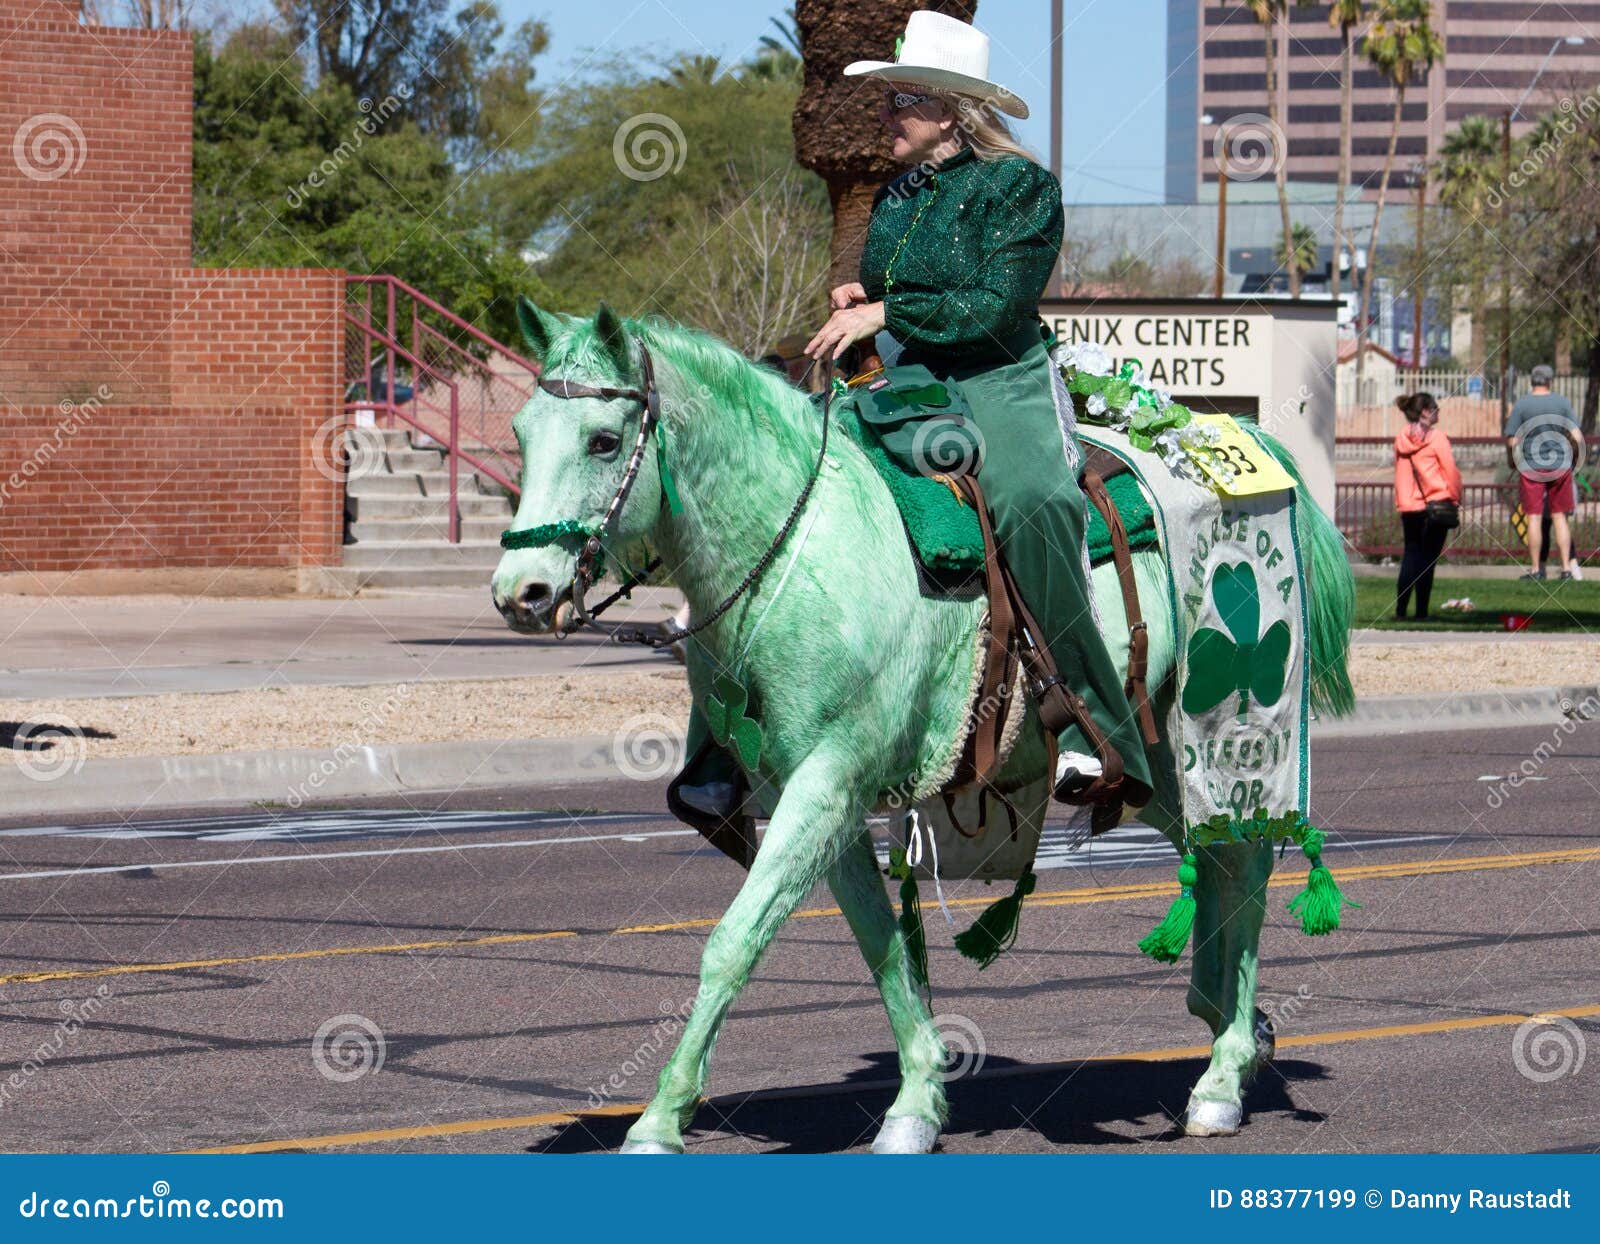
(899, 101)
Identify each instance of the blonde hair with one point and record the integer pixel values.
(983, 128)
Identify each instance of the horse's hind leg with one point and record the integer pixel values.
(810, 826)
(912, 1125)
(1230, 903)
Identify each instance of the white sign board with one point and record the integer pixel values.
(1190, 353)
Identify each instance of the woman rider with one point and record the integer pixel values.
(957, 255)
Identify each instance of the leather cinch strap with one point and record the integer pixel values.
(1136, 687)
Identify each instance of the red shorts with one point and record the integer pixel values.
(1558, 494)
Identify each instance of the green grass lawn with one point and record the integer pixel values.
(1553, 605)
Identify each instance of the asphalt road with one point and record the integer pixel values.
(481, 973)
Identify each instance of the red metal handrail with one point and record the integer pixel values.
(455, 455)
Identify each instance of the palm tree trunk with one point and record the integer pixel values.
(1280, 172)
(1377, 221)
(1346, 116)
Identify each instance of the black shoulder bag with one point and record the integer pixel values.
(1443, 513)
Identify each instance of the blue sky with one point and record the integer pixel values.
(1115, 69)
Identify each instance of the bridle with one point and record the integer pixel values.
(590, 559)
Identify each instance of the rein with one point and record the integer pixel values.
(590, 560)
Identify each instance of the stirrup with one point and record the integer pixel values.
(713, 798)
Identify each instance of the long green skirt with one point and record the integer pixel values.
(1039, 518)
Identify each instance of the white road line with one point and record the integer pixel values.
(311, 857)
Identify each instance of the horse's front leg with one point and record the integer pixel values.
(818, 811)
(912, 1125)
(1230, 903)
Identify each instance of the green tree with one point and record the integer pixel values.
(290, 177)
(1465, 175)
(1297, 254)
(627, 195)
(1402, 46)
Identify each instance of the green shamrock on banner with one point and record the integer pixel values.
(1248, 663)
(729, 726)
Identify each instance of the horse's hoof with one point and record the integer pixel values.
(647, 1146)
(903, 1133)
(1213, 1118)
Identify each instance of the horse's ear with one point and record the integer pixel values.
(539, 328)
(613, 337)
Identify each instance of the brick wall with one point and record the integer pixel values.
(152, 415)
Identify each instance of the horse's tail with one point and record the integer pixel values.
(1330, 593)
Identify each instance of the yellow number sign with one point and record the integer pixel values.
(1253, 469)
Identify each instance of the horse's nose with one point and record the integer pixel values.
(535, 599)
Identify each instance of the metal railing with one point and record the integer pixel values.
(1469, 405)
(453, 384)
(1365, 513)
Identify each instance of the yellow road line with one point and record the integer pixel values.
(464, 1127)
(1047, 898)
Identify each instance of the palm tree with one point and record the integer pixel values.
(1299, 253)
(1465, 175)
(1347, 15)
(836, 131)
(1269, 13)
(1402, 45)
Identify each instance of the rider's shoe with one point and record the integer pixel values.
(1075, 773)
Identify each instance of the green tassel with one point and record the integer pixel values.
(1321, 902)
(1166, 941)
(994, 931)
(910, 915)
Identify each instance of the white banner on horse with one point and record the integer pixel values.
(1238, 722)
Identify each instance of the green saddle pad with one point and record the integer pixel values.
(944, 530)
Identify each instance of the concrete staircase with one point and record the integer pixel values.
(399, 496)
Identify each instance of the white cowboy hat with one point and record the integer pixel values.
(943, 54)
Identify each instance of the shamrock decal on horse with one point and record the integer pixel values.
(1249, 662)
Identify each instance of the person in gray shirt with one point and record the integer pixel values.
(1543, 445)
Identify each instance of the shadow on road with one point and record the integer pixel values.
(1059, 1103)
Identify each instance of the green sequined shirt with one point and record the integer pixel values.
(960, 254)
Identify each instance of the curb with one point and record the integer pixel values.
(314, 776)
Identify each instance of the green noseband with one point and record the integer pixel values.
(547, 533)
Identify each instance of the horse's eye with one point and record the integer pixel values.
(602, 443)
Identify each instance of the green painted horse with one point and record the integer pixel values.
(863, 680)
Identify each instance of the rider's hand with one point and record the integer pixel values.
(847, 295)
(850, 324)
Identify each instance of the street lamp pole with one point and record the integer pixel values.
(1057, 34)
(1506, 118)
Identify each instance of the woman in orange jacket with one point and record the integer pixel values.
(1424, 471)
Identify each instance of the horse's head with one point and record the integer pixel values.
(576, 434)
